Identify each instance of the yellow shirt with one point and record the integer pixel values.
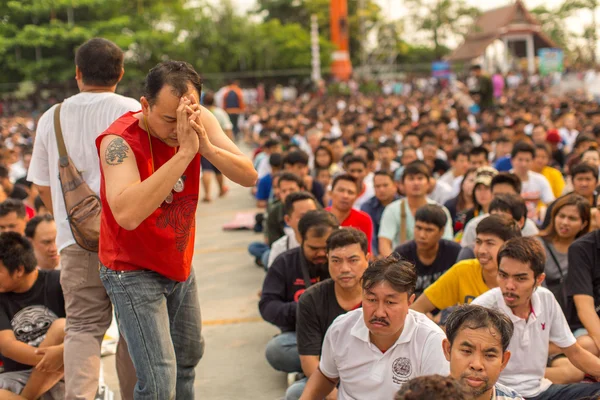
(459, 285)
(556, 180)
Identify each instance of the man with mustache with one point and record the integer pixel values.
(289, 276)
(348, 255)
(372, 351)
(477, 349)
(538, 320)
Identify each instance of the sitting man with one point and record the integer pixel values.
(296, 205)
(477, 349)
(32, 323)
(41, 231)
(431, 254)
(511, 205)
(470, 278)
(398, 223)
(375, 349)
(319, 306)
(343, 194)
(538, 321)
(13, 216)
(290, 275)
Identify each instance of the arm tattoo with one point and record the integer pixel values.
(116, 152)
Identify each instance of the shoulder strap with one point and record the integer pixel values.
(554, 258)
(402, 222)
(62, 149)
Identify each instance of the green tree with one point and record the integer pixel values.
(553, 23)
(442, 19)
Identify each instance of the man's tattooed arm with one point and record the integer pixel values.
(116, 152)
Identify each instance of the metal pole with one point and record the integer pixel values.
(315, 49)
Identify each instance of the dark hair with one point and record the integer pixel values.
(325, 149)
(13, 205)
(383, 173)
(582, 205)
(583, 138)
(526, 250)
(544, 147)
(354, 160)
(416, 168)
(3, 171)
(458, 152)
(288, 207)
(275, 160)
(461, 203)
(512, 203)
(208, 99)
(388, 144)
(38, 203)
(16, 251)
(502, 226)
(400, 274)
(100, 62)
(507, 178)
(583, 168)
(367, 148)
(479, 150)
(429, 387)
(289, 177)
(344, 177)
(177, 74)
(432, 214)
(33, 223)
(356, 135)
(23, 182)
(347, 236)
(471, 316)
(295, 157)
(319, 220)
(272, 142)
(522, 147)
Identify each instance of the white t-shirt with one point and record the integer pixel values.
(82, 118)
(367, 192)
(529, 344)
(536, 188)
(281, 245)
(367, 373)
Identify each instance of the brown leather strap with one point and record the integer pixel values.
(60, 141)
(402, 222)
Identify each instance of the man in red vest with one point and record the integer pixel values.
(150, 164)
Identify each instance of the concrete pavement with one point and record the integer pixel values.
(233, 366)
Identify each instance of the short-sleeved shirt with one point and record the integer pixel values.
(390, 222)
(30, 314)
(263, 190)
(367, 373)
(222, 117)
(359, 220)
(461, 284)
(317, 309)
(584, 274)
(374, 208)
(536, 189)
(529, 344)
(427, 274)
(82, 118)
(501, 392)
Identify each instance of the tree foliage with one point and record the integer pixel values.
(38, 38)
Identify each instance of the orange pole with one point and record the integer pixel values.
(341, 67)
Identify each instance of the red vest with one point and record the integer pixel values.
(164, 242)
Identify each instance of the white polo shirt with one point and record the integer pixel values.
(529, 344)
(367, 373)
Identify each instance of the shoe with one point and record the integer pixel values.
(258, 262)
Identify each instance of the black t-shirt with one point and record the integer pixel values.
(427, 274)
(283, 286)
(584, 274)
(318, 191)
(317, 309)
(30, 314)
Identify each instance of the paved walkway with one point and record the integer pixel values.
(233, 366)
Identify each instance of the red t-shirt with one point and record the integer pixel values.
(164, 242)
(361, 221)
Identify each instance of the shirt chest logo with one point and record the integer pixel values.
(543, 326)
(402, 369)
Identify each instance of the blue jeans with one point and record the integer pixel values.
(282, 353)
(294, 392)
(571, 391)
(160, 320)
(260, 251)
